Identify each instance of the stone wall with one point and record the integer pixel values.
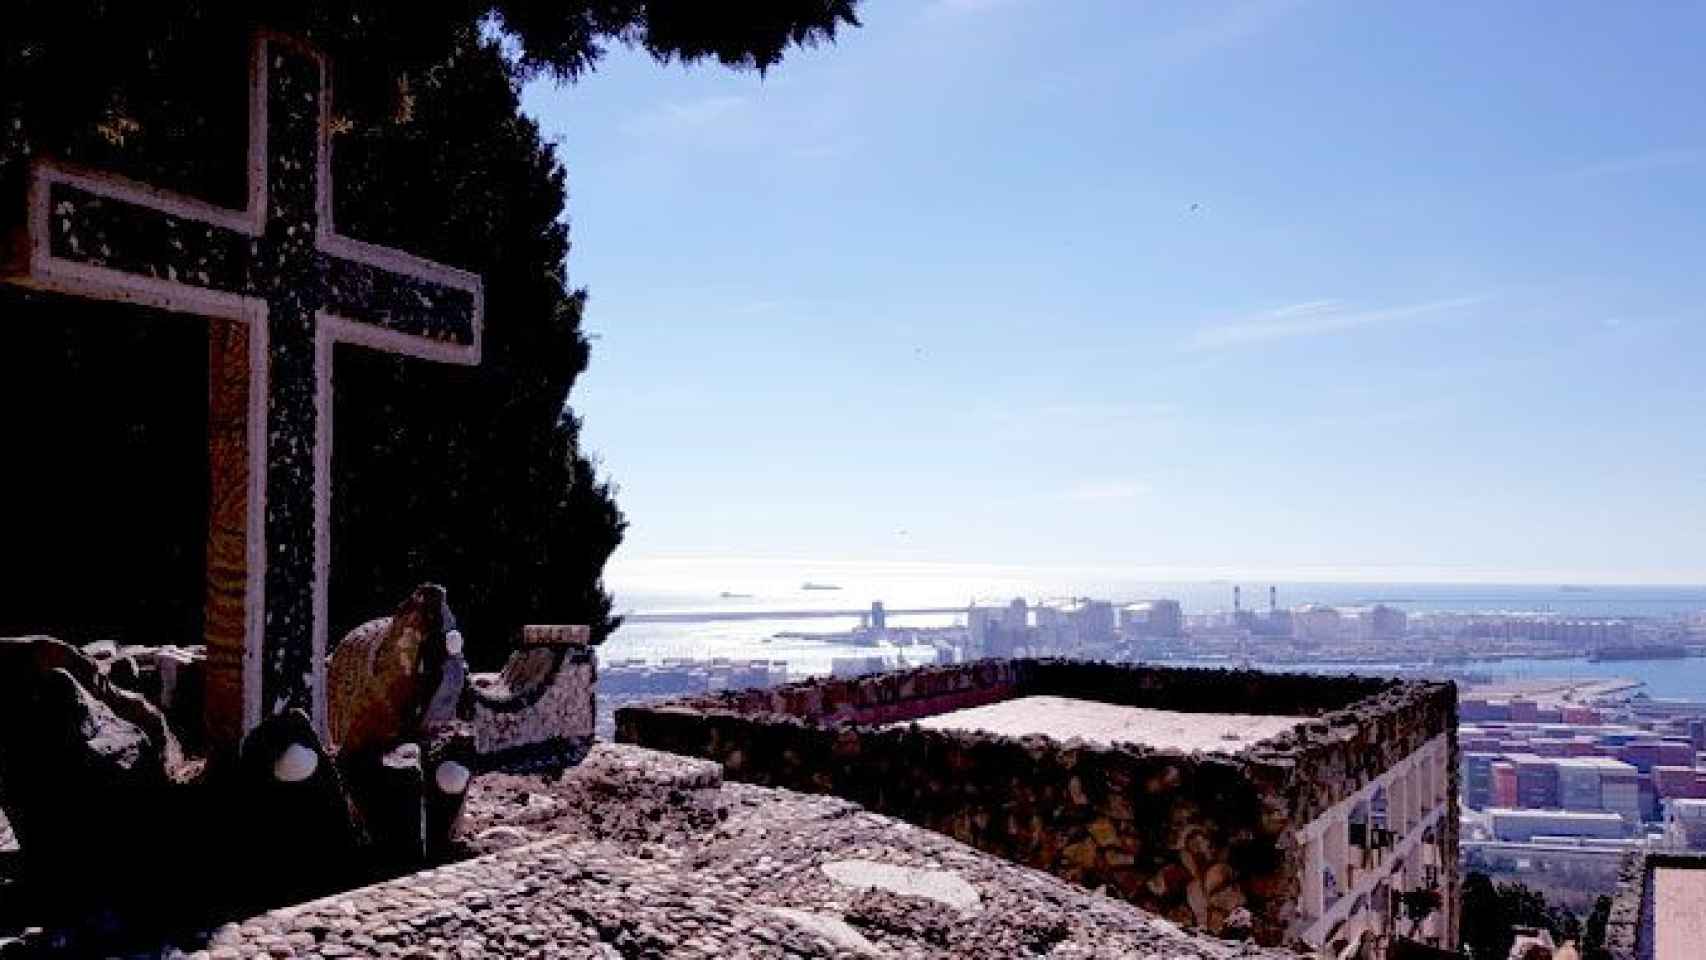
(1628, 909)
(880, 698)
(1203, 839)
(1629, 927)
(540, 707)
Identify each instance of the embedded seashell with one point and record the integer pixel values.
(296, 764)
(452, 777)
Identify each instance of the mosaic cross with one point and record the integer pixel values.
(281, 287)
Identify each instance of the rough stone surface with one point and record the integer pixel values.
(1623, 923)
(642, 854)
(831, 928)
(1203, 839)
(943, 886)
(1679, 924)
(1063, 718)
(1641, 922)
(72, 744)
(180, 674)
(79, 743)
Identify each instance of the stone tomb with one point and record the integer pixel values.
(280, 288)
(1290, 809)
(1679, 924)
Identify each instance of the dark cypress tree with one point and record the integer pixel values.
(476, 473)
(1593, 938)
(1484, 929)
(471, 477)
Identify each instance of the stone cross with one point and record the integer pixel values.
(280, 287)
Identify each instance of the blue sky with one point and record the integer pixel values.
(1298, 289)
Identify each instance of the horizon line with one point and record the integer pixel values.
(636, 568)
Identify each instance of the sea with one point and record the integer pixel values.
(809, 644)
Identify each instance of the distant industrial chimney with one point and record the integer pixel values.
(1237, 600)
(1273, 599)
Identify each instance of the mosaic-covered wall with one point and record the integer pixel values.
(541, 706)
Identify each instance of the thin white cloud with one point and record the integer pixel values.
(1055, 422)
(688, 116)
(686, 573)
(1102, 491)
(752, 307)
(1636, 163)
(744, 123)
(1100, 412)
(1312, 319)
(941, 7)
(1224, 29)
(833, 148)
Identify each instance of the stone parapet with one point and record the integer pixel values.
(556, 635)
(647, 854)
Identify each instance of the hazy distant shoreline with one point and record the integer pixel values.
(901, 589)
(794, 640)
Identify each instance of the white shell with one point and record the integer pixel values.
(452, 777)
(296, 764)
(453, 643)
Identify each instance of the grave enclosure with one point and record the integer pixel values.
(1247, 841)
(1303, 836)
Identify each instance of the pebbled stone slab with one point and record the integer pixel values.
(943, 886)
(831, 928)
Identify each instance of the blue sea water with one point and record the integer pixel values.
(1683, 678)
(1661, 678)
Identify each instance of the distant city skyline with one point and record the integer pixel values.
(1273, 290)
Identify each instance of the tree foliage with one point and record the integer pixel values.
(1481, 923)
(1419, 905)
(473, 477)
(1492, 912)
(125, 82)
(1593, 934)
